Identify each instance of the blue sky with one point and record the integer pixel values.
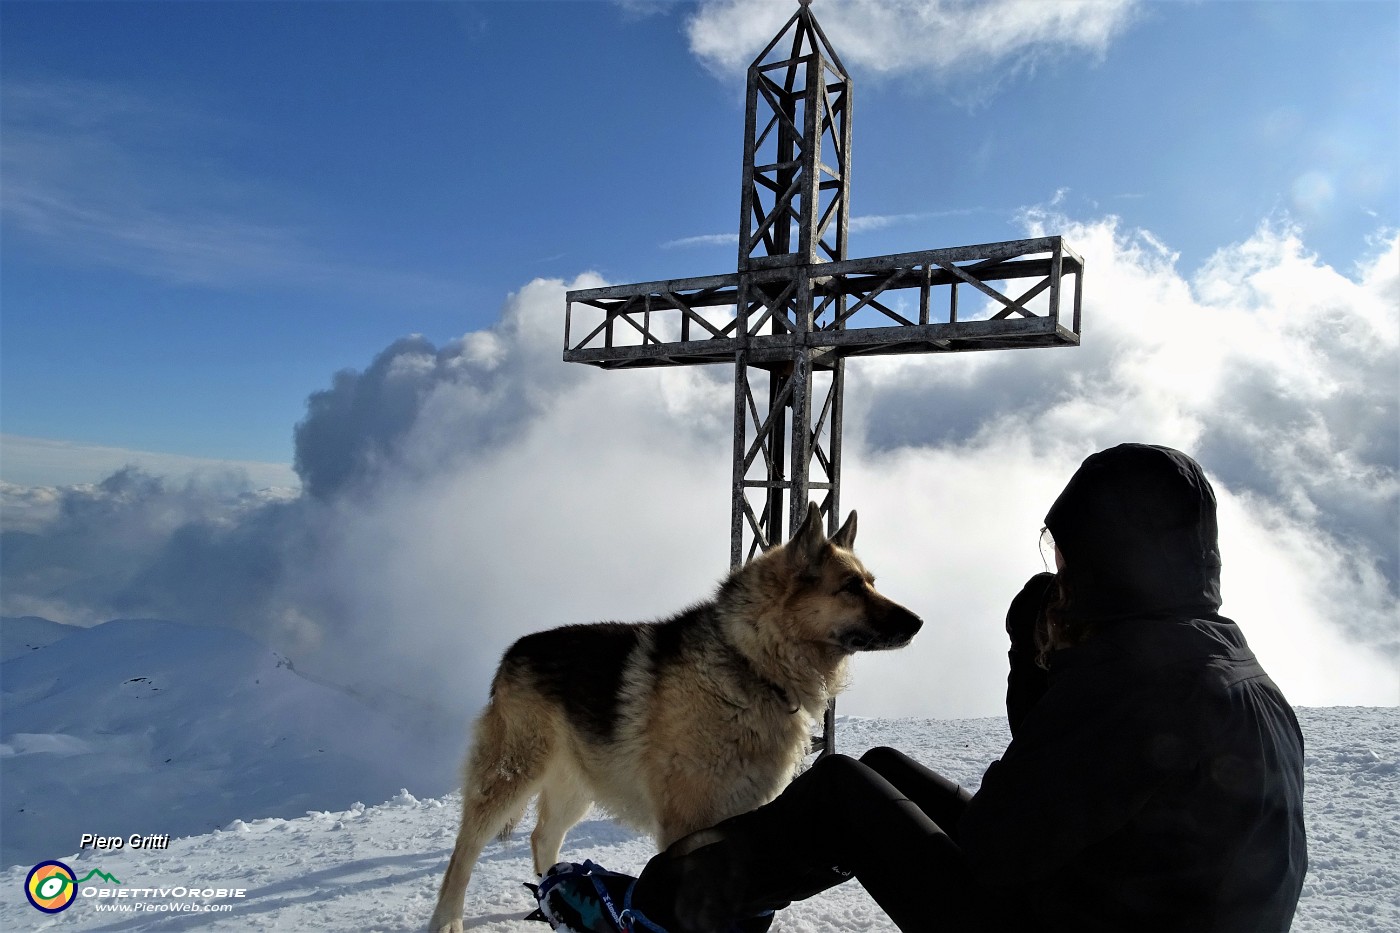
(209, 208)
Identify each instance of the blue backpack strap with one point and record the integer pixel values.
(592, 871)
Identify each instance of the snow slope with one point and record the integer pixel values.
(377, 868)
(20, 635)
(137, 726)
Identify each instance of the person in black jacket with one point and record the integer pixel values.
(1153, 783)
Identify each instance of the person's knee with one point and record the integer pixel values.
(696, 840)
(839, 771)
(843, 782)
(881, 757)
(836, 762)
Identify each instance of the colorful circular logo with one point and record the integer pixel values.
(51, 887)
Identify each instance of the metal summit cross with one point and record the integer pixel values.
(796, 308)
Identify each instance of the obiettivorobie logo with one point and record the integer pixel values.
(52, 886)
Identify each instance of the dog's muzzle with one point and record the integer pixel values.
(894, 629)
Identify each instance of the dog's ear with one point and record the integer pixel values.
(807, 541)
(846, 537)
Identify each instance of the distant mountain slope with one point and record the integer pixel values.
(20, 635)
(139, 726)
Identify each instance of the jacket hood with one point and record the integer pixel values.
(1136, 526)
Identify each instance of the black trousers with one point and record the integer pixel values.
(886, 820)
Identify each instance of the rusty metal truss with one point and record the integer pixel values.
(796, 307)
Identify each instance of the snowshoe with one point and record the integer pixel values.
(587, 898)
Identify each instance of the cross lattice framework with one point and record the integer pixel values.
(797, 307)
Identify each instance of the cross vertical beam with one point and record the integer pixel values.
(792, 215)
(796, 307)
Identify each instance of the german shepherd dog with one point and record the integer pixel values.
(670, 726)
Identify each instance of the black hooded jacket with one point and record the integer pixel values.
(1156, 781)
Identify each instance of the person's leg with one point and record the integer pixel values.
(943, 800)
(839, 813)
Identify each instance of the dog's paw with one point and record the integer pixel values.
(445, 922)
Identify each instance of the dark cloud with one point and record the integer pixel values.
(474, 392)
(950, 400)
(358, 422)
(99, 537)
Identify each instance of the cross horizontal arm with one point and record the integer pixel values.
(654, 323)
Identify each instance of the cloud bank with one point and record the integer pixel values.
(454, 498)
(33, 460)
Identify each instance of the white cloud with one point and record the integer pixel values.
(941, 39)
(704, 239)
(861, 223)
(865, 223)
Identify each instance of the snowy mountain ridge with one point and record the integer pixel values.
(143, 726)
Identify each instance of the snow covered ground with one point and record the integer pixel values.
(377, 867)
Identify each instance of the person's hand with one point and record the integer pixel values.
(1026, 681)
(1027, 610)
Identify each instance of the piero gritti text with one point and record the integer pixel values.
(134, 841)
